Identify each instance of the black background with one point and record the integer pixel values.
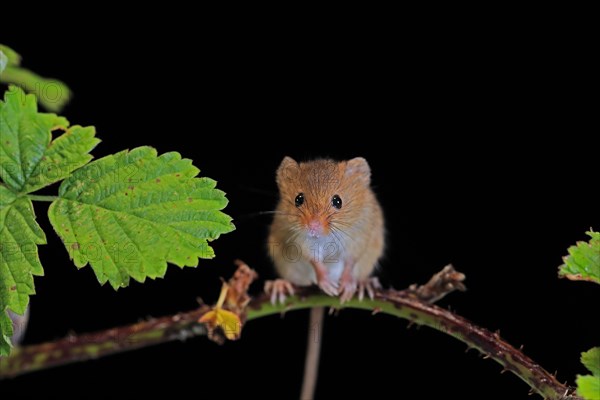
(479, 154)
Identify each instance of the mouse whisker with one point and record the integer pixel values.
(342, 231)
(296, 230)
(338, 239)
(272, 213)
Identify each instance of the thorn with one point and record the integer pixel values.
(410, 324)
(555, 372)
(503, 370)
(521, 347)
(376, 310)
(486, 356)
(199, 301)
(468, 348)
(531, 392)
(497, 333)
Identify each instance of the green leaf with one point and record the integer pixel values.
(588, 386)
(130, 213)
(583, 261)
(13, 58)
(29, 158)
(52, 94)
(64, 155)
(591, 360)
(19, 262)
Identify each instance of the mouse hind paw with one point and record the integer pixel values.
(347, 290)
(351, 287)
(370, 285)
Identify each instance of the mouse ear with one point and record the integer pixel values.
(358, 168)
(287, 171)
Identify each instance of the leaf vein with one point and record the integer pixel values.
(142, 257)
(99, 238)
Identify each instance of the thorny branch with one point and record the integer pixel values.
(413, 304)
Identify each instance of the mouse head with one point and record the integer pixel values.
(322, 196)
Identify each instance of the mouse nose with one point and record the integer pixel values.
(315, 228)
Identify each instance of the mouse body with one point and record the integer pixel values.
(328, 227)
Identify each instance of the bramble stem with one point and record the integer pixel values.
(406, 304)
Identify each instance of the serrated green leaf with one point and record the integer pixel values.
(583, 261)
(131, 213)
(64, 155)
(591, 360)
(29, 158)
(19, 262)
(588, 386)
(19, 236)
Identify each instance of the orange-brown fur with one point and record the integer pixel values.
(356, 230)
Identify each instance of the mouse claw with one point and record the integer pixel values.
(369, 285)
(347, 291)
(279, 289)
(329, 287)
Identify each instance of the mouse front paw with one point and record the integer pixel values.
(329, 287)
(279, 289)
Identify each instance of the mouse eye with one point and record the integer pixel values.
(336, 201)
(299, 199)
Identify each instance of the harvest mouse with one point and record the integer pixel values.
(327, 230)
(328, 227)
